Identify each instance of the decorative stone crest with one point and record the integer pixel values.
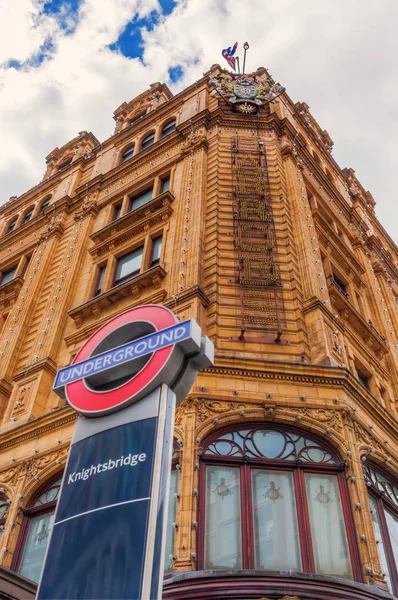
(245, 93)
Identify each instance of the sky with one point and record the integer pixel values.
(66, 65)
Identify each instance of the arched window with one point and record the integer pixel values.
(27, 216)
(127, 154)
(171, 515)
(383, 500)
(44, 204)
(168, 128)
(35, 532)
(274, 499)
(148, 140)
(11, 225)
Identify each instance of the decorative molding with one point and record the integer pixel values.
(155, 212)
(81, 336)
(37, 427)
(9, 292)
(188, 294)
(133, 288)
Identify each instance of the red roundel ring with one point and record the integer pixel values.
(87, 401)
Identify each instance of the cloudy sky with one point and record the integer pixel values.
(66, 65)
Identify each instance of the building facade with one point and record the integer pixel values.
(225, 204)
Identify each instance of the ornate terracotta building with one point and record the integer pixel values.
(225, 204)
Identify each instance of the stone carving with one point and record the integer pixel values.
(206, 408)
(246, 93)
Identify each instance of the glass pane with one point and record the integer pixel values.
(148, 141)
(380, 542)
(8, 276)
(127, 154)
(223, 529)
(156, 251)
(165, 185)
(171, 516)
(168, 128)
(141, 199)
(328, 533)
(50, 495)
(35, 546)
(392, 525)
(100, 280)
(116, 212)
(276, 537)
(11, 226)
(129, 264)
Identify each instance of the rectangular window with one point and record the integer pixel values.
(171, 517)
(165, 184)
(223, 522)
(117, 209)
(362, 378)
(7, 276)
(156, 251)
(328, 533)
(25, 266)
(340, 285)
(380, 542)
(140, 199)
(276, 535)
(100, 280)
(35, 546)
(128, 266)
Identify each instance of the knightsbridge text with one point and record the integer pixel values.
(123, 461)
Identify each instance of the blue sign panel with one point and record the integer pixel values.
(102, 517)
(124, 354)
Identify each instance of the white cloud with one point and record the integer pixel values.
(339, 57)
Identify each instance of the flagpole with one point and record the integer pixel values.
(237, 60)
(246, 48)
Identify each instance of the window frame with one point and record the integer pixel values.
(155, 262)
(383, 503)
(150, 135)
(33, 511)
(100, 274)
(133, 274)
(127, 151)
(12, 223)
(45, 203)
(29, 213)
(298, 470)
(166, 125)
(9, 270)
(144, 191)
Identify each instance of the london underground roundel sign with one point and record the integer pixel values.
(126, 359)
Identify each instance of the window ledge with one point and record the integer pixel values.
(154, 212)
(133, 288)
(202, 585)
(350, 315)
(9, 292)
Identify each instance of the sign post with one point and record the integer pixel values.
(110, 524)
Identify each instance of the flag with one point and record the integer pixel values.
(228, 54)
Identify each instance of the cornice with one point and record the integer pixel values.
(37, 427)
(133, 288)
(193, 292)
(305, 373)
(81, 336)
(156, 211)
(46, 364)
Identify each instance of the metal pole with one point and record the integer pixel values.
(246, 48)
